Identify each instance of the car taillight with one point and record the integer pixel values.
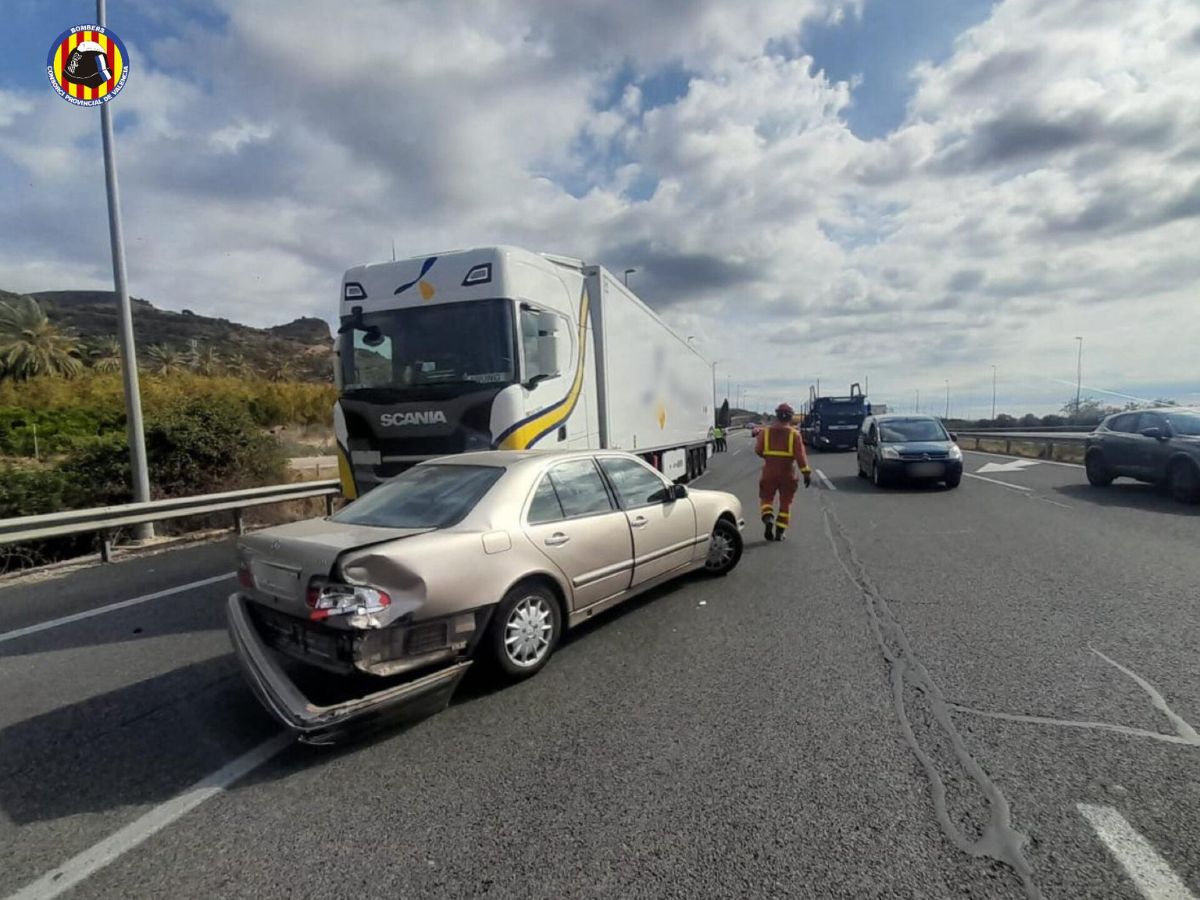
(245, 579)
(330, 598)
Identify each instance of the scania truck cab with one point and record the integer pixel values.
(501, 348)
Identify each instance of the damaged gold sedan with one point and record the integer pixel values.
(484, 557)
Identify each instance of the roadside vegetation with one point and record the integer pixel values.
(210, 423)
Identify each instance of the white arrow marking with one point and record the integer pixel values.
(1015, 466)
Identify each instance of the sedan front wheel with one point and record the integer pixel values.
(724, 548)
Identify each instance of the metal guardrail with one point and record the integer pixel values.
(1047, 440)
(104, 519)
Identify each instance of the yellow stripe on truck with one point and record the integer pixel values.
(346, 475)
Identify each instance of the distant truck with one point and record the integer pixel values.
(833, 423)
(501, 348)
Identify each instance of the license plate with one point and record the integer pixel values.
(281, 581)
(927, 469)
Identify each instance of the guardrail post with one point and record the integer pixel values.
(105, 547)
(238, 524)
(1049, 448)
(1008, 447)
(329, 504)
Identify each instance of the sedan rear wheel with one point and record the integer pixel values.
(1098, 473)
(525, 630)
(724, 548)
(1185, 482)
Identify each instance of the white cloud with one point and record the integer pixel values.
(1046, 182)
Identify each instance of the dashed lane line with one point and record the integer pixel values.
(829, 485)
(113, 847)
(112, 607)
(1141, 862)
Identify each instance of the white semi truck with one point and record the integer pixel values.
(501, 348)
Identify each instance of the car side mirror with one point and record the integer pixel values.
(1154, 432)
(954, 437)
(676, 492)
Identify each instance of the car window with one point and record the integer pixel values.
(1151, 420)
(1185, 423)
(895, 430)
(580, 488)
(423, 497)
(636, 485)
(1126, 424)
(545, 506)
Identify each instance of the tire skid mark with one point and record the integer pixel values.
(999, 841)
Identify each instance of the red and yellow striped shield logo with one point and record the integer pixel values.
(87, 65)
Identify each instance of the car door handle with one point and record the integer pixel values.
(639, 522)
(557, 540)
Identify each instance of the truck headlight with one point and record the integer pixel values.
(889, 453)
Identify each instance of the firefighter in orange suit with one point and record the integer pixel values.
(782, 449)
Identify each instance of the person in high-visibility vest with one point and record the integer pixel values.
(782, 451)
(719, 436)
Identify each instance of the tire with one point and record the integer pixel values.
(1098, 472)
(877, 477)
(518, 643)
(1184, 480)
(861, 472)
(724, 549)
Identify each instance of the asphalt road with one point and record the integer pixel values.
(980, 692)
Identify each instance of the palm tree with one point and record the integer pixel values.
(105, 355)
(30, 345)
(162, 359)
(280, 368)
(240, 367)
(207, 361)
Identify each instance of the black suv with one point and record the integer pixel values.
(1159, 446)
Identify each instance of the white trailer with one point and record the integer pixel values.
(501, 348)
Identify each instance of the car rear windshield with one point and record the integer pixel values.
(1185, 423)
(423, 497)
(911, 430)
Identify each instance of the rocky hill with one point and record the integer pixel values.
(304, 346)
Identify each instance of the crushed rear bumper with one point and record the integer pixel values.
(315, 724)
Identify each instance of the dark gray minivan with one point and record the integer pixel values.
(898, 447)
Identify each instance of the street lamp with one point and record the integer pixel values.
(628, 272)
(1078, 375)
(947, 398)
(993, 395)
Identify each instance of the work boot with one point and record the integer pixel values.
(769, 527)
(781, 535)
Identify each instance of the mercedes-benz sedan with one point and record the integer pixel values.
(479, 556)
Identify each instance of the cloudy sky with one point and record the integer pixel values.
(909, 191)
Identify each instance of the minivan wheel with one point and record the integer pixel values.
(525, 630)
(724, 548)
(1185, 482)
(877, 477)
(1098, 473)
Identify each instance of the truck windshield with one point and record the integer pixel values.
(418, 348)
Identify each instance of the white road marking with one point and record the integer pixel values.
(1015, 487)
(100, 610)
(1148, 871)
(95, 858)
(1044, 462)
(1015, 466)
(829, 485)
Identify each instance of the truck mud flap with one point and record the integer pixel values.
(314, 724)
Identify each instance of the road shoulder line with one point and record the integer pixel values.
(1141, 862)
(112, 607)
(1015, 487)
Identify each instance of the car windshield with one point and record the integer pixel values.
(409, 350)
(899, 430)
(1185, 423)
(434, 496)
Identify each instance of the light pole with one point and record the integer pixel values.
(133, 394)
(714, 380)
(947, 398)
(1078, 375)
(917, 406)
(993, 395)
(628, 272)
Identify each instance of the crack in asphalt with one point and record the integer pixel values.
(1000, 841)
(1184, 734)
